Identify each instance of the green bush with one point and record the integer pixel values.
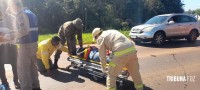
(87, 37)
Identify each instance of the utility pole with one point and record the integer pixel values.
(85, 19)
(140, 11)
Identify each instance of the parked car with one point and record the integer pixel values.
(165, 27)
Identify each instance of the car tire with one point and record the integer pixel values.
(159, 38)
(192, 37)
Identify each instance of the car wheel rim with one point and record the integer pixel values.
(159, 39)
(193, 36)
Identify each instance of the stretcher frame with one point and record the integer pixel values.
(94, 69)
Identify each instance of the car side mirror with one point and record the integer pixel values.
(171, 22)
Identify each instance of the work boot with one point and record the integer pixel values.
(17, 85)
(55, 66)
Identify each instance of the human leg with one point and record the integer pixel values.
(12, 50)
(23, 67)
(40, 66)
(15, 76)
(115, 67)
(3, 75)
(133, 68)
(33, 66)
(58, 52)
(34, 74)
(2, 68)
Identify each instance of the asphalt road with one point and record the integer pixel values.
(161, 69)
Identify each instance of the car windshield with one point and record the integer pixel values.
(157, 20)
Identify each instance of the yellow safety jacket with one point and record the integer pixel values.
(46, 49)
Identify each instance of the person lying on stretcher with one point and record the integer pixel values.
(91, 54)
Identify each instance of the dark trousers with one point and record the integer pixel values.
(8, 55)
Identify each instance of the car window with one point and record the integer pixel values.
(157, 20)
(185, 19)
(182, 19)
(192, 19)
(176, 19)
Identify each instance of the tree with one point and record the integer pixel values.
(197, 11)
(156, 7)
(190, 11)
(99, 13)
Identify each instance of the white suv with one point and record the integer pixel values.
(167, 26)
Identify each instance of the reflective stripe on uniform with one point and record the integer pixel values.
(125, 51)
(120, 53)
(33, 29)
(18, 46)
(112, 64)
(112, 89)
(45, 53)
(140, 86)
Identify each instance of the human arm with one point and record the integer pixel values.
(62, 48)
(45, 57)
(22, 26)
(79, 37)
(102, 53)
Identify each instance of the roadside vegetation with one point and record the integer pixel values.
(118, 14)
(87, 37)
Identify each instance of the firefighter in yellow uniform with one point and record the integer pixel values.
(124, 55)
(45, 50)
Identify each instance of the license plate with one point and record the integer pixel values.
(133, 36)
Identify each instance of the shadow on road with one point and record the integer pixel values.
(64, 76)
(127, 84)
(173, 44)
